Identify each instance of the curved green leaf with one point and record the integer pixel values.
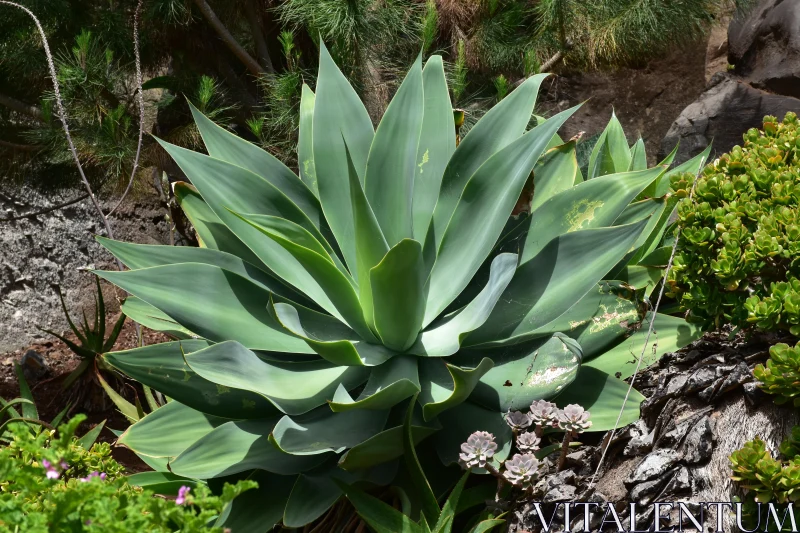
(186, 291)
(398, 294)
(151, 317)
(163, 368)
(305, 154)
(444, 386)
(259, 509)
(555, 172)
(463, 420)
(382, 447)
(321, 430)
(388, 385)
(444, 337)
(294, 388)
(602, 395)
(482, 212)
(498, 128)
(430, 507)
(238, 446)
(638, 156)
(391, 164)
(437, 143)
(339, 117)
(380, 516)
(165, 483)
(610, 154)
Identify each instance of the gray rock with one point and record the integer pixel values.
(639, 445)
(654, 465)
(680, 483)
(33, 365)
(700, 379)
(753, 395)
(764, 47)
(560, 493)
(699, 443)
(723, 113)
(644, 493)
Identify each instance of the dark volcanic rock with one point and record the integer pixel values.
(653, 466)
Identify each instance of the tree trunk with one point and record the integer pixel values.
(21, 107)
(254, 18)
(232, 44)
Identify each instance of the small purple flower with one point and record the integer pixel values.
(52, 474)
(64, 465)
(100, 475)
(52, 471)
(544, 413)
(182, 493)
(478, 449)
(574, 418)
(517, 420)
(528, 442)
(46, 463)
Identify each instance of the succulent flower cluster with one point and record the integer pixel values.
(740, 257)
(523, 468)
(781, 374)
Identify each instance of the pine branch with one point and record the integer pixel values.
(251, 11)
(21, 107)
(229, 40)
(21, 147)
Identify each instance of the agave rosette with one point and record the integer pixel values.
(318, 305)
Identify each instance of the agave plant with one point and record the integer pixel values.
(317, 307)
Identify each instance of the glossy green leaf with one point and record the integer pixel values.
(168, 431)
(398, 294)
(545, 287)
(641, 277)
(437, 143)
(164, 483)
(88, 440)
(163, 368)
(151, 317)
(225, 146)
(380, 516)
(422, 489)
(132, 412)
(555, 172)
(305, 154)
(322, 430)
(610, 154)
(603, 396)
(339, 117)
(482, 212)
(391, 165)
(498, 128)
(185, 291)
(294, 388)
(444, 337)
(388, 385)
(592, 204)
(638, 156)
(669, 334)
(238, 446)
(444, 385)
(382, 447)
(341, 349)
(259, 509)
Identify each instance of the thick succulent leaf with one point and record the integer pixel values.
(444, 338)
(338, 287)
(422, 488)
(545, 287)
(164, 483)
(331, 345)
(498, 128)
(259, 509)
(653, 233)
(380, 516)
(305, 154)
(150, 317)
(162, 367)
(136, 256)
(657, 258)
(238, 446)
(391, 165)
(610, 154)
(692, 166)
(398, 294)
(225, 146)
(168, 431)
(388, 385)
(603, 396)
(339, 117)
(294, 388)
(321, 430)
(555, 172)
(437, 143)
(215, 303)
(536, 370)
(482, 212)
(245, 192)
(463, 420)
(382, 447)
(638, 156)
(444, 385)
(592, 204)
(600, 320)
(641, 277)
(669, 334)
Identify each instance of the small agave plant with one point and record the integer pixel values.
(317, 306)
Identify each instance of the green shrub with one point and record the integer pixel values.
(740, 257)
(49, 482)
(781, 375)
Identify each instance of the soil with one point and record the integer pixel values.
(50, 398)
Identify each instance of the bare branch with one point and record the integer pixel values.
(21, 107)
(229, 40)
(21, 147)
(254, 18)
(47, 210)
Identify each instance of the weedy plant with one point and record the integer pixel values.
(316, 307)
(739, 263)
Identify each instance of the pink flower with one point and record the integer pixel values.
(102, 476)
(52, 474)
(182, 493)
